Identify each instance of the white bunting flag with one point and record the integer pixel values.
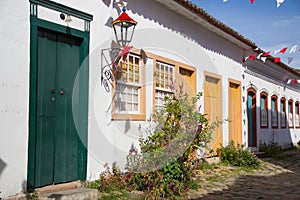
(293, 49)
(263, 59)
(259, 55)
(279, 2)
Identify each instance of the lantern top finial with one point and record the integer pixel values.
(124, 18)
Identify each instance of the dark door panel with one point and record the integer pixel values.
(57, 140)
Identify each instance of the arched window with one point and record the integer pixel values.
(274, 111)
(291, 114)
(297, 113)
(263, 110)
(282, 113)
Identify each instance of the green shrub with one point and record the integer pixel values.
(237, 155)
(271, 149)
(110, 180)
(166, 165)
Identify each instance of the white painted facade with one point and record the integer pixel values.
(161, 30)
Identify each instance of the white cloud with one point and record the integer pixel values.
(287, 22)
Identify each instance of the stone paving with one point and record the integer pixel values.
(278, 178)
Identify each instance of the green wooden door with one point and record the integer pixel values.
(58, 147)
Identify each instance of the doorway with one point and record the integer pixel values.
(213, 107)
(57, 139)
(235, 111)
(251, 114)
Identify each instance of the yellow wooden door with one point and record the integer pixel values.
(213, 108)
(234, 112)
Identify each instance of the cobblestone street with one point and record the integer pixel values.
(278, 178)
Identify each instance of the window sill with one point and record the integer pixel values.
(131, 117)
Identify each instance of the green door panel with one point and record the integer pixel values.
(58, 147)
(67, 136)
(250, 120)
(45, 111)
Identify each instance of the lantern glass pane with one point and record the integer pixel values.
(117, 29)
(124, 32)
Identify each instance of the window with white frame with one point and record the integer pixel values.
(282, 113)
(263, 110)
(128, 85)
(164, 76)
(274, 112)
(297, 112)
(290, 111)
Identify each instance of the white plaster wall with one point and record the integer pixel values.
(281, 136)
(14, 87)
(158, 32)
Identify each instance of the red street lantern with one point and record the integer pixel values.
(124, 27)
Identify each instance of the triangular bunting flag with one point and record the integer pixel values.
(263, 59)
(293, 49)
(266, 54)
(283, 50)
(279, 2)
(252, 57)
(259, 55)
(276, 60)
(122, 55)
(290, 59)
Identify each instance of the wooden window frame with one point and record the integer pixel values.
(291, 110)
(165, 90)
(141, 115)
(275, 109)
(265, 106)
(177, 65)
(297, 112)
(284, 111)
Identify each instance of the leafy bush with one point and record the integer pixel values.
(166, 164)
(237, 155)
(110, 179)
(271, 149)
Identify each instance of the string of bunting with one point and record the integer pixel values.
(263, 56)
(293, 81)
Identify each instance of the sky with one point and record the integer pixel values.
(269, 27)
